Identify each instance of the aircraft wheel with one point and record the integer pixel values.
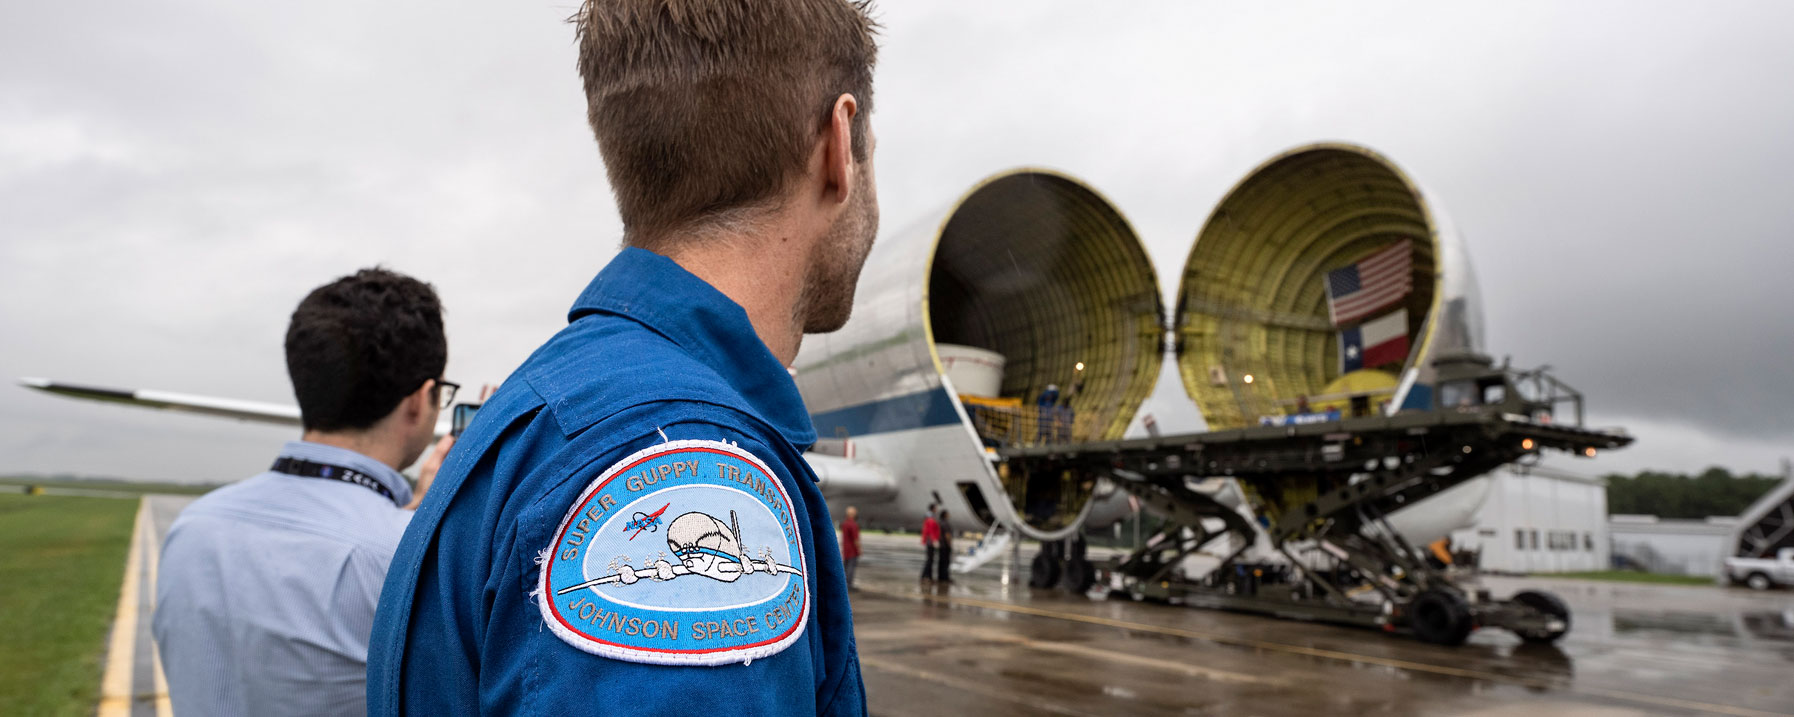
(1044, 571)
(1548, 604)
(1440, 617)
(1079, 576)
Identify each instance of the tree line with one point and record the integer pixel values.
(1712, 492)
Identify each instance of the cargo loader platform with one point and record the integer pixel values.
(1321, 495)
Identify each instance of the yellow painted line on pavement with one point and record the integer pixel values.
(115, 684)
(153, 553)
(1620, 695)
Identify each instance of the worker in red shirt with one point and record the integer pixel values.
(931, 537)
(850, 543)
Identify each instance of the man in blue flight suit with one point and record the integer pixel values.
(629, 526)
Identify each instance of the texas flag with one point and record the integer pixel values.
(1374, 343)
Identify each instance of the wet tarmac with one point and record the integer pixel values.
(988, 644)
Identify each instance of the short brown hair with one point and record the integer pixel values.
(704, 106)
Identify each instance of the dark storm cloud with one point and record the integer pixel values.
(175, 174)
(1631, 223)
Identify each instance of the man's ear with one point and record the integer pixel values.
(837, 155)
(418, 403)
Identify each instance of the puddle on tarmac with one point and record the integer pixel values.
(1762, 625)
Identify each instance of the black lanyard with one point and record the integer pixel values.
(307, 469)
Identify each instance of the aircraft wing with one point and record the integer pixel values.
(278, 414)
(844, 477)
(274, 413)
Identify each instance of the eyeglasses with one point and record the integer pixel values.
(445, 392)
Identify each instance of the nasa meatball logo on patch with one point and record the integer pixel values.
(686, 553)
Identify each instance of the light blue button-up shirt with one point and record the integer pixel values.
(267, 590)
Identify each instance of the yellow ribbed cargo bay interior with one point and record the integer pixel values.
(1039, 268)
(1252, 298)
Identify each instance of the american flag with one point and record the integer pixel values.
(1373, 283)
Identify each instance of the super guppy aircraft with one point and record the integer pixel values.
(1032, 280)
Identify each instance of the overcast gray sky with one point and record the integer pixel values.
(176, 174)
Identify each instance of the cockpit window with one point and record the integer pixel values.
(1494, 393)
(1457, 394)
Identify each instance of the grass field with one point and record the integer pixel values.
(1629, 576)
(61, 560)
(120, 486)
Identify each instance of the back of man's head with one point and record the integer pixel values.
(359, 345)
(707, 107)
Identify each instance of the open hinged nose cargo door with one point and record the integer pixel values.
(1259, 339)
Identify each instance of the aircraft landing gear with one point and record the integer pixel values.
(1079, 574)
(1044, 571)
(1063, 564)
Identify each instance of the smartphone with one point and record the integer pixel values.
(463, 416)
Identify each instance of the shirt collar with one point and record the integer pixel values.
(332, 455)
(658, 293)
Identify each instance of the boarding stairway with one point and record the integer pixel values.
(994, 544)
(1767, 526)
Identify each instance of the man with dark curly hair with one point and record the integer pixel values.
(267, 587)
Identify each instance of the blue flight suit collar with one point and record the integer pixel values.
(656, 292)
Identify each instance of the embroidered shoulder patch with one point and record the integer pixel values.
(686, 553)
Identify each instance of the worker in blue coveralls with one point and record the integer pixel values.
(629, 526)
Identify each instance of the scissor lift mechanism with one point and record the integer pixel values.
(1322, 493)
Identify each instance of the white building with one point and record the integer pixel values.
(1682, 547)
(1700, 547)
(1540, 520)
